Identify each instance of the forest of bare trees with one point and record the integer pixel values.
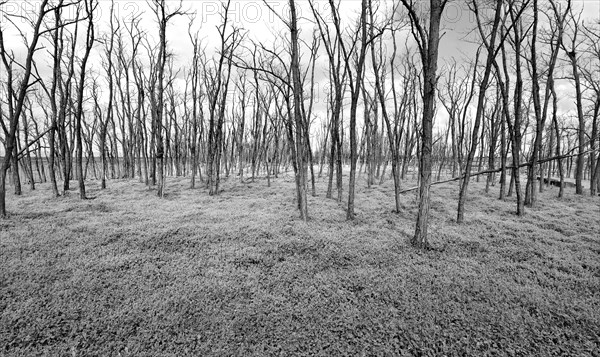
(88, 98)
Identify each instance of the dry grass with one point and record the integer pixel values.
(129, 274)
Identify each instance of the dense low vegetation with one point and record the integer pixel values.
(130, 274)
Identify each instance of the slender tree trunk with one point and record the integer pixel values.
(15, 167)
(593, 165)
(572, 55)
(299, 122)
(491, 48)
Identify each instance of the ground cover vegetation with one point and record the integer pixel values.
(131, 274)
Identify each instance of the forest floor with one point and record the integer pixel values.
(129, 274)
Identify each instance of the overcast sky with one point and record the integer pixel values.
(261, 25)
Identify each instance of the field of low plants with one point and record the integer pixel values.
(130, 274)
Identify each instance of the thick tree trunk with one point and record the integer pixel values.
(429, 57)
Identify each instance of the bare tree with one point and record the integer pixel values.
(65, 88)
(503, 77)
(242, 89)
(136, 36)
(556, 21)
(217, 96)
(337, 77)
(395, 124)
(90, 6)
(428, 43)
(108, 64)
(298, 103)
(16, 96)
(591, 73)
(490, 45)
(573, 54)
(456, 95)
(163, 15)
(197, 94)
(56, 33)
(355, 82)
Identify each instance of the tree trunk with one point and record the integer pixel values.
(298, 120)
(429, 57)
(491, 48)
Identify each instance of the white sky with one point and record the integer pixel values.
(262, 25)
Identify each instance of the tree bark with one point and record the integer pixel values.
(428, 46)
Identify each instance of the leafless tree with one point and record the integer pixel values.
(573, 54)
(489, 41)
(355, 81)
(16, 95)
(298, 103)
(394, 122)
(428, 43)
(90, 6)
(197, 95)
(512, 31)
(163, 16)
(591, 73)
(217, 95)
(556, 21)
(337, 77)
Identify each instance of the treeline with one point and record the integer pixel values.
(109, 99)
